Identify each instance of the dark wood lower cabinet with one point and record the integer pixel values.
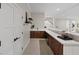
(37, 34)
(55, 46)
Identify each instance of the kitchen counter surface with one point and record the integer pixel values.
(64, 42)
(53, 34)
(73, 33)
(37, 30)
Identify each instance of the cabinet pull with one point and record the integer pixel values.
(16, 38)
(22, 32)
(0, 5)
(0, 43)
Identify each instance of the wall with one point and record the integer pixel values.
(49, 22)
(38, 20)
(60, 23)
(65, 24)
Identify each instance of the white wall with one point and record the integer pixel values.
(60, 23)
(49, 22)
(65, 24)
(38, 20)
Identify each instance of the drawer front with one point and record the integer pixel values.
(37, 34)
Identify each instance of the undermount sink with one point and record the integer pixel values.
(65, 37)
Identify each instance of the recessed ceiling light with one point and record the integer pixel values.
(58, 9)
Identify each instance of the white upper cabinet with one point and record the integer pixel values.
(6, 15)
(11, 15)
(18, 16)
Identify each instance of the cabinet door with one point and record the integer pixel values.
(31, 34)
(18, 16)
(41, 34)
(6, 15)
(34, 34)
(6, 38)
(49, 41)
(18, 44)
(37, 34)
(26, 35)
(57, 47)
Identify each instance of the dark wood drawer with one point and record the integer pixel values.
(37, 34)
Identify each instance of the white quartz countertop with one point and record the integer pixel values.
(37, 30)
(73, 33)
(64, 42)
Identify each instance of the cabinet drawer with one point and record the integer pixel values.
(37, 34)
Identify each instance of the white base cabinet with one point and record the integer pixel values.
(71, 50)
(26, 36)
(6, 38)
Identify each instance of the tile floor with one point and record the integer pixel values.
(34, 47)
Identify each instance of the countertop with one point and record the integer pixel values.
(64, 42)
(73, 33)
(37, 30)
(53, 34)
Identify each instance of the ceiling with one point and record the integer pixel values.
(52, 9)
